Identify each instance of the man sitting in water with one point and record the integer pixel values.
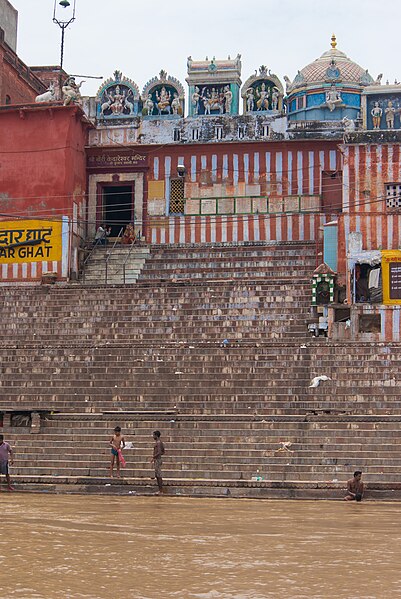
(355, 487)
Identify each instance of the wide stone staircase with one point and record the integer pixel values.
(210, 346)
(114, 264)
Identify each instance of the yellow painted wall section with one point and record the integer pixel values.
(391, 274)
(30, 241)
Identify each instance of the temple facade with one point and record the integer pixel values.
(316, 158)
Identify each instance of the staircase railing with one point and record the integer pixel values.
(108, 255)
(88, 257)
(127, 257)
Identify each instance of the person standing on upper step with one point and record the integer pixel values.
(103, 231)
(158, 452)
(355, 487)
(6, 458)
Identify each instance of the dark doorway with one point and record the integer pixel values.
(118, 209)
(332, 192)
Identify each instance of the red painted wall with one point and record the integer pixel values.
(42, 159)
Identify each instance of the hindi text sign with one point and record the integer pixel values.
(30, 241)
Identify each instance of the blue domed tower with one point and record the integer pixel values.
(327, 89)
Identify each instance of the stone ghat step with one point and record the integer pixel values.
(177, 440)
(235, 274)
(65, 292)
(217, 324)
(213, 326)
(191, 383)
(159, 337)
(210, 253)
(328, 474)
(165, 367)
(232, 271)
(179, 487)
(132, 415)
(218, 265)
(216, 410)
(204, 430)
(321, 351)
(225, 401)
(205, 467)
(183, 318)
(283, 349)
(163, 306)
(187, 453)
(227, 258)
(268, 300)
(262, 354)
(224, 248)
(212, 260)
(160, 367)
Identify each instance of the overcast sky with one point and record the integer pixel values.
(141, 37)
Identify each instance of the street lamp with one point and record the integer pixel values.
(63, 24)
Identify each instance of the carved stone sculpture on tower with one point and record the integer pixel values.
(70, 91)
(333, 98)
(228, 95)
(118, 101)
(275, 97)
(163, 101)
(250, 99)
(377, 114)
(390, 114)
(263, 95)
(48, 96)
(195, 100)
(176, 104)
(149, 105)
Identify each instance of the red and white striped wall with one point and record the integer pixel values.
(367, 168)
(286, 168)
(232, 228)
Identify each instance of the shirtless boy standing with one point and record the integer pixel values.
(117, 442)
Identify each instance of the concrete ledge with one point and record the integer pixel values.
(203, 488)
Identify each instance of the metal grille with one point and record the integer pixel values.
(177, 196)
(393, 196)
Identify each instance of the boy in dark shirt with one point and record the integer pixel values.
(6, 457)
(158, 451)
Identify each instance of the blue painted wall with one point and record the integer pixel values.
(330, 244)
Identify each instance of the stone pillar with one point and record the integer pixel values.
(35, 424)
(6, 420)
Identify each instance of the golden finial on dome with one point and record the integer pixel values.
(334, 41)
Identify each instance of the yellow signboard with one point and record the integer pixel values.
(391, 275)
(30, 241)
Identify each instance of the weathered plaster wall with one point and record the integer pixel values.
(164, 131)
(9, 23)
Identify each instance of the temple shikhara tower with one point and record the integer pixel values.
(242, 228)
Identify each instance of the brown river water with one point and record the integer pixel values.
(84, 547)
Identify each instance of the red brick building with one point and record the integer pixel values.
(42, 157)
(18, 83)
